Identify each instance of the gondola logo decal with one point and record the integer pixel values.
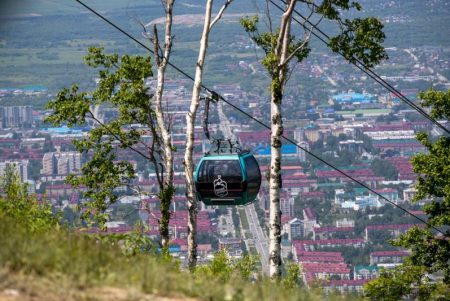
(220, 187)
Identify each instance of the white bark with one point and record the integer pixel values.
(190, 120)
(274, 189)
(278, 82)
(159, 112)
(188, 161)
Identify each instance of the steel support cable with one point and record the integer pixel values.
(334, 167)
(368, 71)
(265, 125)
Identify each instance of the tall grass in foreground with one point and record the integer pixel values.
(85, 262)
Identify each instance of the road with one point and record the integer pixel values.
(330, 80)
(441, 78)
(259, 238)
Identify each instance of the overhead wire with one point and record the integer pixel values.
(360, 65)
(263, 124)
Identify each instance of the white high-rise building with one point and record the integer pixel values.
(287, 206)
(61, 163)
(15, 116)
(21, 168)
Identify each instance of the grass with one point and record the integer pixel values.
(253, 250)
(87, 269)
(244, 220)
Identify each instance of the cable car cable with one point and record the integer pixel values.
(368, 71)
(360, 65)
(335, 168)
(263, 124)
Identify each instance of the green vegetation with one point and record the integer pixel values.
(384, 168)
(236, 221)
(81, 263)
(36, 251)
(244, 220)
(426, 272)
(21, 207)
(102, 174)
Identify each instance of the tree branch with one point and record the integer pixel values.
(269, 18)
(285, 21)
(305, 42)
(220, 13)
(156, 47)
(117, 137)
(155, 141)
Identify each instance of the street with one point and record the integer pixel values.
(259, 238)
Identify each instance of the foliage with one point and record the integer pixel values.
(236, 221)
(439, 101)
(360, 41)
(219, 267)
(407, 280)
(292, 279)
(224, 267)
(430, 250)
(121, 86)
(434, 172)
(384, 168)
(83, 265)
(131, 244)
(268, 41)
(25, 209)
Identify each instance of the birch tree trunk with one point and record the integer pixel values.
(275, 183)
(190, 120)
(275, 186)
(188, 160)
(359, 39)
(167, 191)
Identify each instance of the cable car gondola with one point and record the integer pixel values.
(227, 179)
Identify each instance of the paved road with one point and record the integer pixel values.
(260, 240)
(330, 80)
(259, 237)
(439, 76)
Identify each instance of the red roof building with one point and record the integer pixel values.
(312, 272)
(312, 245)
(344, 286)
(394, 229)
(329, 232)
(387, 257)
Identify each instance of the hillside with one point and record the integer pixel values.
(56, 60)
(27, 288)
(59, 264)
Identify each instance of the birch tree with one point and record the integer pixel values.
(358, 38)
(162, 56)
(190, 120)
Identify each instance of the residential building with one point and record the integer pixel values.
(342, 223)
(309, 221)
(21, 167)
(61, 163)
(344, 285)
(295, 229)
(361, 271)
(382, 257)
(16, 116)
(287, 206)
(394, 229)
